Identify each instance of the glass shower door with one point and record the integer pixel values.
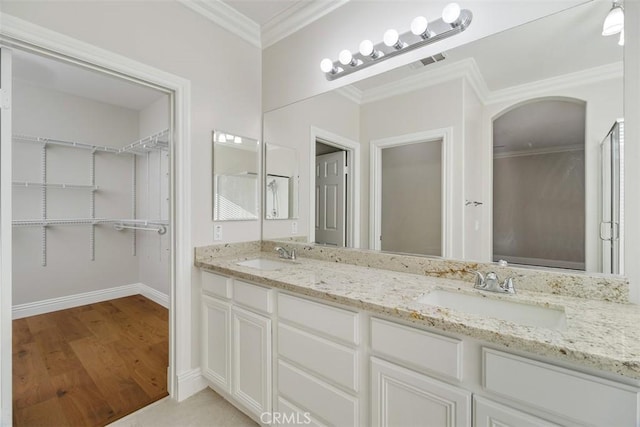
(612, 217)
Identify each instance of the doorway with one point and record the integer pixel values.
(32, 38)
(539, 198)
(411, 196)
(334, 194)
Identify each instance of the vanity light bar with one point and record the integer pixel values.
(453, 21)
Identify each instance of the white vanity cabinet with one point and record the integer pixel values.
(319, 361)
(401, 396)
(236, 345)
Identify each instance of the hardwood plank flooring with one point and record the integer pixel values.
(89, 365)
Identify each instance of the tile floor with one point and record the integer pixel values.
(206, 409)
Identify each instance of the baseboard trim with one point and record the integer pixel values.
(62, 303)
(189, 383)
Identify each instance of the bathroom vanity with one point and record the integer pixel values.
(350, 345)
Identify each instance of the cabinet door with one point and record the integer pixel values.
(216, 329)
(490, 414)
(401, 397)
(252, 360)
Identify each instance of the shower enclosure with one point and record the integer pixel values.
(611, 214)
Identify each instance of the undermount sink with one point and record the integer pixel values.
(512, 311)
(264, 264)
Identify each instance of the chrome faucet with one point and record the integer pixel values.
(285, 253)
(491, 283)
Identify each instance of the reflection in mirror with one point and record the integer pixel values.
(235, 177)
(473, 95)
(281, 182)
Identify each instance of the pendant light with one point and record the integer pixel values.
(614, 22)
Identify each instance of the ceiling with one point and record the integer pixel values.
(262, 11)
(75, 80)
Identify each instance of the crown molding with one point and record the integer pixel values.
(565, 81)
(295, 18)
(539, 151)
(227, 17)
(469, 70)
(352, 93)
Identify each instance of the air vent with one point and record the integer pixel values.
(428, 60)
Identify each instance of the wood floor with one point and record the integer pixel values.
(89, 365)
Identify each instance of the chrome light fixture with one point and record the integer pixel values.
(454, 20)
(614, 22)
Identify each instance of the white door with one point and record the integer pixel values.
(251, 365)
(216, 349)
(331, 198)
(5, 236)
(401, 397)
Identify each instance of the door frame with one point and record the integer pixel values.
(15, 32)
(375, 202)
(353, 183)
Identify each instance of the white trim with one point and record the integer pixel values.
(538, 151)
(189, 383)
(375, 189)
(15, 30)
(515, 261)
(62, 303)
(554, 84)
(469, 70)
(466, 68)
(227, 17)
(5, 240)
(353, 197)
(295, 18)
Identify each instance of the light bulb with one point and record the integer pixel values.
(366, 48)
(392, 39)
(614, 22)
(345, 57)
(621, 41)
(237, 140)
(419, 26)
(451, 13)
(326, 65)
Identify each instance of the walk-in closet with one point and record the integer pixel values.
(91, 242)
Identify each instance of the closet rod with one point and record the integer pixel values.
(161, 229)
(28, 184)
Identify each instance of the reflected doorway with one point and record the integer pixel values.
(331, 183)
(539, 184)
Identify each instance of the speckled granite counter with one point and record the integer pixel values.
(600, 335)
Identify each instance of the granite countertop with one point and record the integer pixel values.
(600, 335)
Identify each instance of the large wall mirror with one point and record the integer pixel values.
(235, 177)
(504, 148)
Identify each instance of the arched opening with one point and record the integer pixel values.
(539, 183)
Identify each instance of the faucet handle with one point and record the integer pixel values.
(508, 286)
(479, 280)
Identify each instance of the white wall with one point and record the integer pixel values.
(69, 270)
(286, 81)
(152, 201)
(474, 174)
(223, 69)
(410, 113)
(291, 127)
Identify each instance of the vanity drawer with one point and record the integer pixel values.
(216, 284)
(294, 416)
(253, 296)
(580, 397)
(335, 362)
(417, 349)
(331, 321)
(322, 400)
